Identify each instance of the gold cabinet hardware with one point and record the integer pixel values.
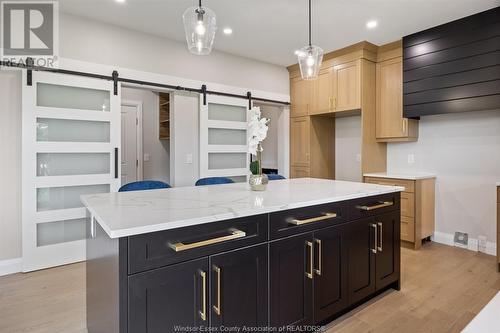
(217, 308)
(311, 259)
(318, 270)
(334, 103)
(325, 216)
(374, 226)
(235, 234)
(381, 232)
(405, 122)
(377, 206)
(330, 103)
(203, 312)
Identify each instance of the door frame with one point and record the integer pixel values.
(138, 105)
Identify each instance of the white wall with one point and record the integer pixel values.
(464, 151)
(184, 139)
(348, 148)
(158, 166)
(10, 167)
(111, 45)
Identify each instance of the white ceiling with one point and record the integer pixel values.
(270, 30)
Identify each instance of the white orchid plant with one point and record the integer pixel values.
(257, 132)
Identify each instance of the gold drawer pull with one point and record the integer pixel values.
(377, 206)
(311, 260)
(203, 312)
(217, 308)
(381, 226)
(374, 226)
(318, 270)
(325, 216)
(235, 234)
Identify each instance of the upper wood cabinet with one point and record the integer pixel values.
(323, 92)
(391, 126)
(347, 86)
(301, 96)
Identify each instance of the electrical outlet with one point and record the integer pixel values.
(189, 158)
(411, 158)
(481, 243)
(358, 158)
(147, 157)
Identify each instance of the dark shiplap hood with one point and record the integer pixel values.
(453, 67)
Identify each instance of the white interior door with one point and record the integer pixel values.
(131, 141)
(223, 138)
(70, 147)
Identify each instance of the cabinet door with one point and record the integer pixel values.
(388, 249)
(390, 122)
(362, 254)
(323, 93)
(238, 288)
(330, 281)
(300, 141)
(347, 86)
(299, 172)
(300, 95)
(162, 299)
(291, 281)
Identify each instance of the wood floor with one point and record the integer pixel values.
(443, 288)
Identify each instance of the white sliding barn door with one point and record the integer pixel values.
(223, 138)
(70, 144)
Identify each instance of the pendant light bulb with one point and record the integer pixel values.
(200, 26)
(310, 57)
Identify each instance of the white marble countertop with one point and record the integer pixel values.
(397, 175)
(132, 213)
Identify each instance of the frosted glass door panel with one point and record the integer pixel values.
(61, 231)
(56, 96)
(65, 164)
(62, 130)
(226, 112)
(227, 161)
(219, 136)
(49, 198)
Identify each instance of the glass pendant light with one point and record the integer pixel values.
(200, 26)
(310, 57)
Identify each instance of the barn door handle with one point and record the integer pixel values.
(116, 163)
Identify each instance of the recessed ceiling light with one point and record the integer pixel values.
(227, 31)
(120, 1)
(371, 24)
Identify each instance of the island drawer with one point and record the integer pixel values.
(154, 250)
(374, 205)
(299, 220)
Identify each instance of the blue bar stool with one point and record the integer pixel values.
(274, 176)
(213, 181)
(143, 185)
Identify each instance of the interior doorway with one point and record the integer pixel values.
(131, 141)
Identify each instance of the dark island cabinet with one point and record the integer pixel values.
(388, 249)
(238, 288)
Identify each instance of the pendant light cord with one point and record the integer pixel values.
(199, 3)
(309, 22)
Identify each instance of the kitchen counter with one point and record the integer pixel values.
(406, 176)
(132, 213)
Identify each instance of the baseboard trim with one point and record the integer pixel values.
(11, 266)
(447, 239)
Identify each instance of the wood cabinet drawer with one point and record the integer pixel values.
(407, 204)
(373, 205)
(409, 185)
(407, 229)
(164, 248)
(296, 221)
(299, 172)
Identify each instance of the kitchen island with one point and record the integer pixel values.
(299, 254)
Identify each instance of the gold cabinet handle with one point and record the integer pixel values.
(217, 308)
(377, 206)
(381, 231)
(318, 270)
(311, 259)
(405, 123)
(203, 312)
(374, 226)
(334, 103)
(325, 216)
(235, 234)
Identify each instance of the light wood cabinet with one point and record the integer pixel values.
(391, 126)
(301, 96)
(299, 172)
(300, 141)
(417, 207)
(323, 92)
(498, 227)
(347, 86)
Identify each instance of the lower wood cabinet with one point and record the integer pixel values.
(227, 289)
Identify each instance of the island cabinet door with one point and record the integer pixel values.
(239, 288)
(291, 281)
(330, 270)
(361, 258)
(170, 299)
(388, 249)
